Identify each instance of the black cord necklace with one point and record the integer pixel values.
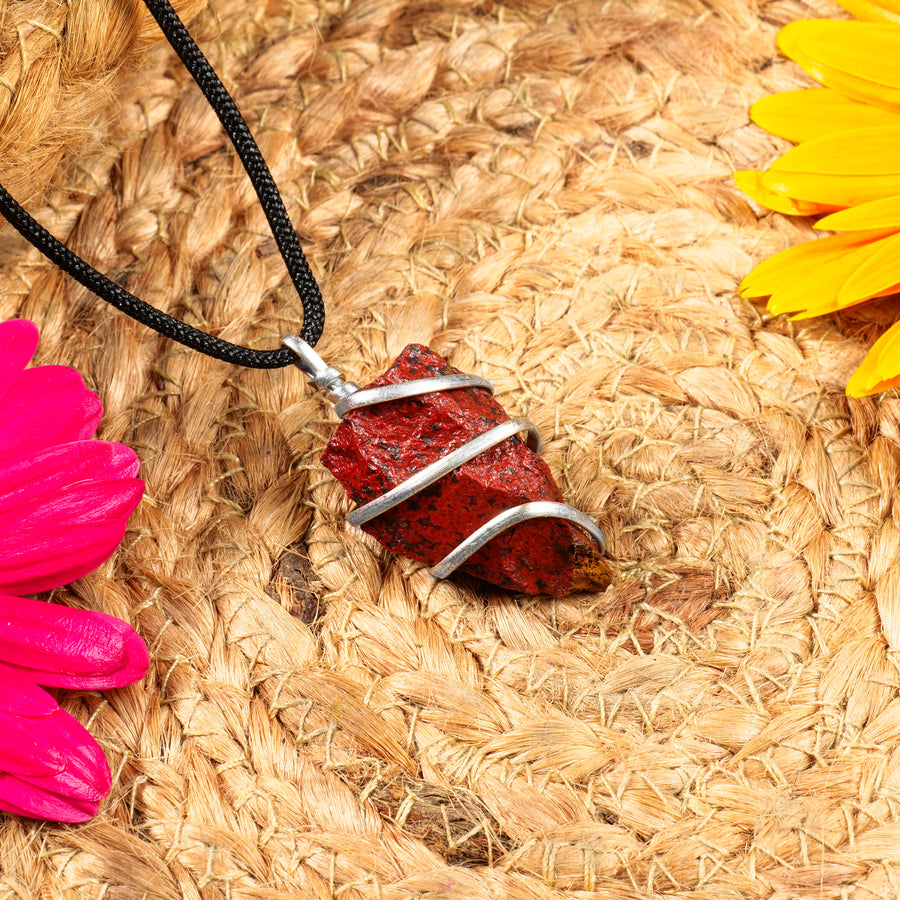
(454, 496)
(269, 198)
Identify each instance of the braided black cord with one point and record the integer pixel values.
(285, 237)
(254, 164)
(146, 314)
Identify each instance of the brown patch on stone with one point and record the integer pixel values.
(590, 571)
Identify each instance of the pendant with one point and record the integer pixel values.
(440, 475)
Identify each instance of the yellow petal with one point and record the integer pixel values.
(884, 213)
(797, 264)
(880, 370)
(751, 183)
(812, 113)
(859, 59)
(824, 193)
(832, 172)
(882, 11)
(860, 151)
(856, 388)
(878, 273)
(823, 306)
(869, 269)
(819, 286)
(816, 290)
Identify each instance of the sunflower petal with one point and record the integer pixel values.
(751, 183)
(833, 171)
(878, 273)
(859, 59)
(797, 263)
(880, 369)
(823, 306)
(823, 290)
(882, 11)
(816, 112)
(883, 213)
(859, 151)
(818, 292)
(829, 192)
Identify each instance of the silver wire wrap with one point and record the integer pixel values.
(513, 516)
(348, 396)
(387, 392)
(440, 467)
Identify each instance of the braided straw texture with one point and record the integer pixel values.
(60, 65)
(540, 190)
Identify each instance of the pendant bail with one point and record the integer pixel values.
(326, 378)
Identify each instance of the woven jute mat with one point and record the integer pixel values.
(540, 190)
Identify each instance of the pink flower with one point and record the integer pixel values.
(64, 503)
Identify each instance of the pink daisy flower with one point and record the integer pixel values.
(64, 503)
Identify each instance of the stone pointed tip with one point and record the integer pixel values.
(590, 572)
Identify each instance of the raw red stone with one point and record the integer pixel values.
(376, 448)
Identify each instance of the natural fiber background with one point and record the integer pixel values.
(541, 190)
(61, 63)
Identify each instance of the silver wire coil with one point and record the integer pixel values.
(348, 396)
(439, 468)
(374, 396)
(513, 516)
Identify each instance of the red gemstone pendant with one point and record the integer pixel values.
(444, 479)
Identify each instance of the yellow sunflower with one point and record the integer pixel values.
(846, 164)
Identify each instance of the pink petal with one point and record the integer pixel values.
(37, 478)
(73, 783)
(28, 747)
(62, 647)
(18, 341)
(30, 566)
(86, 776)
(20, 696)
(63, 512)
(22, 799)
(44, 406)
(71, 794)
(83, 755)
(50, 766)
